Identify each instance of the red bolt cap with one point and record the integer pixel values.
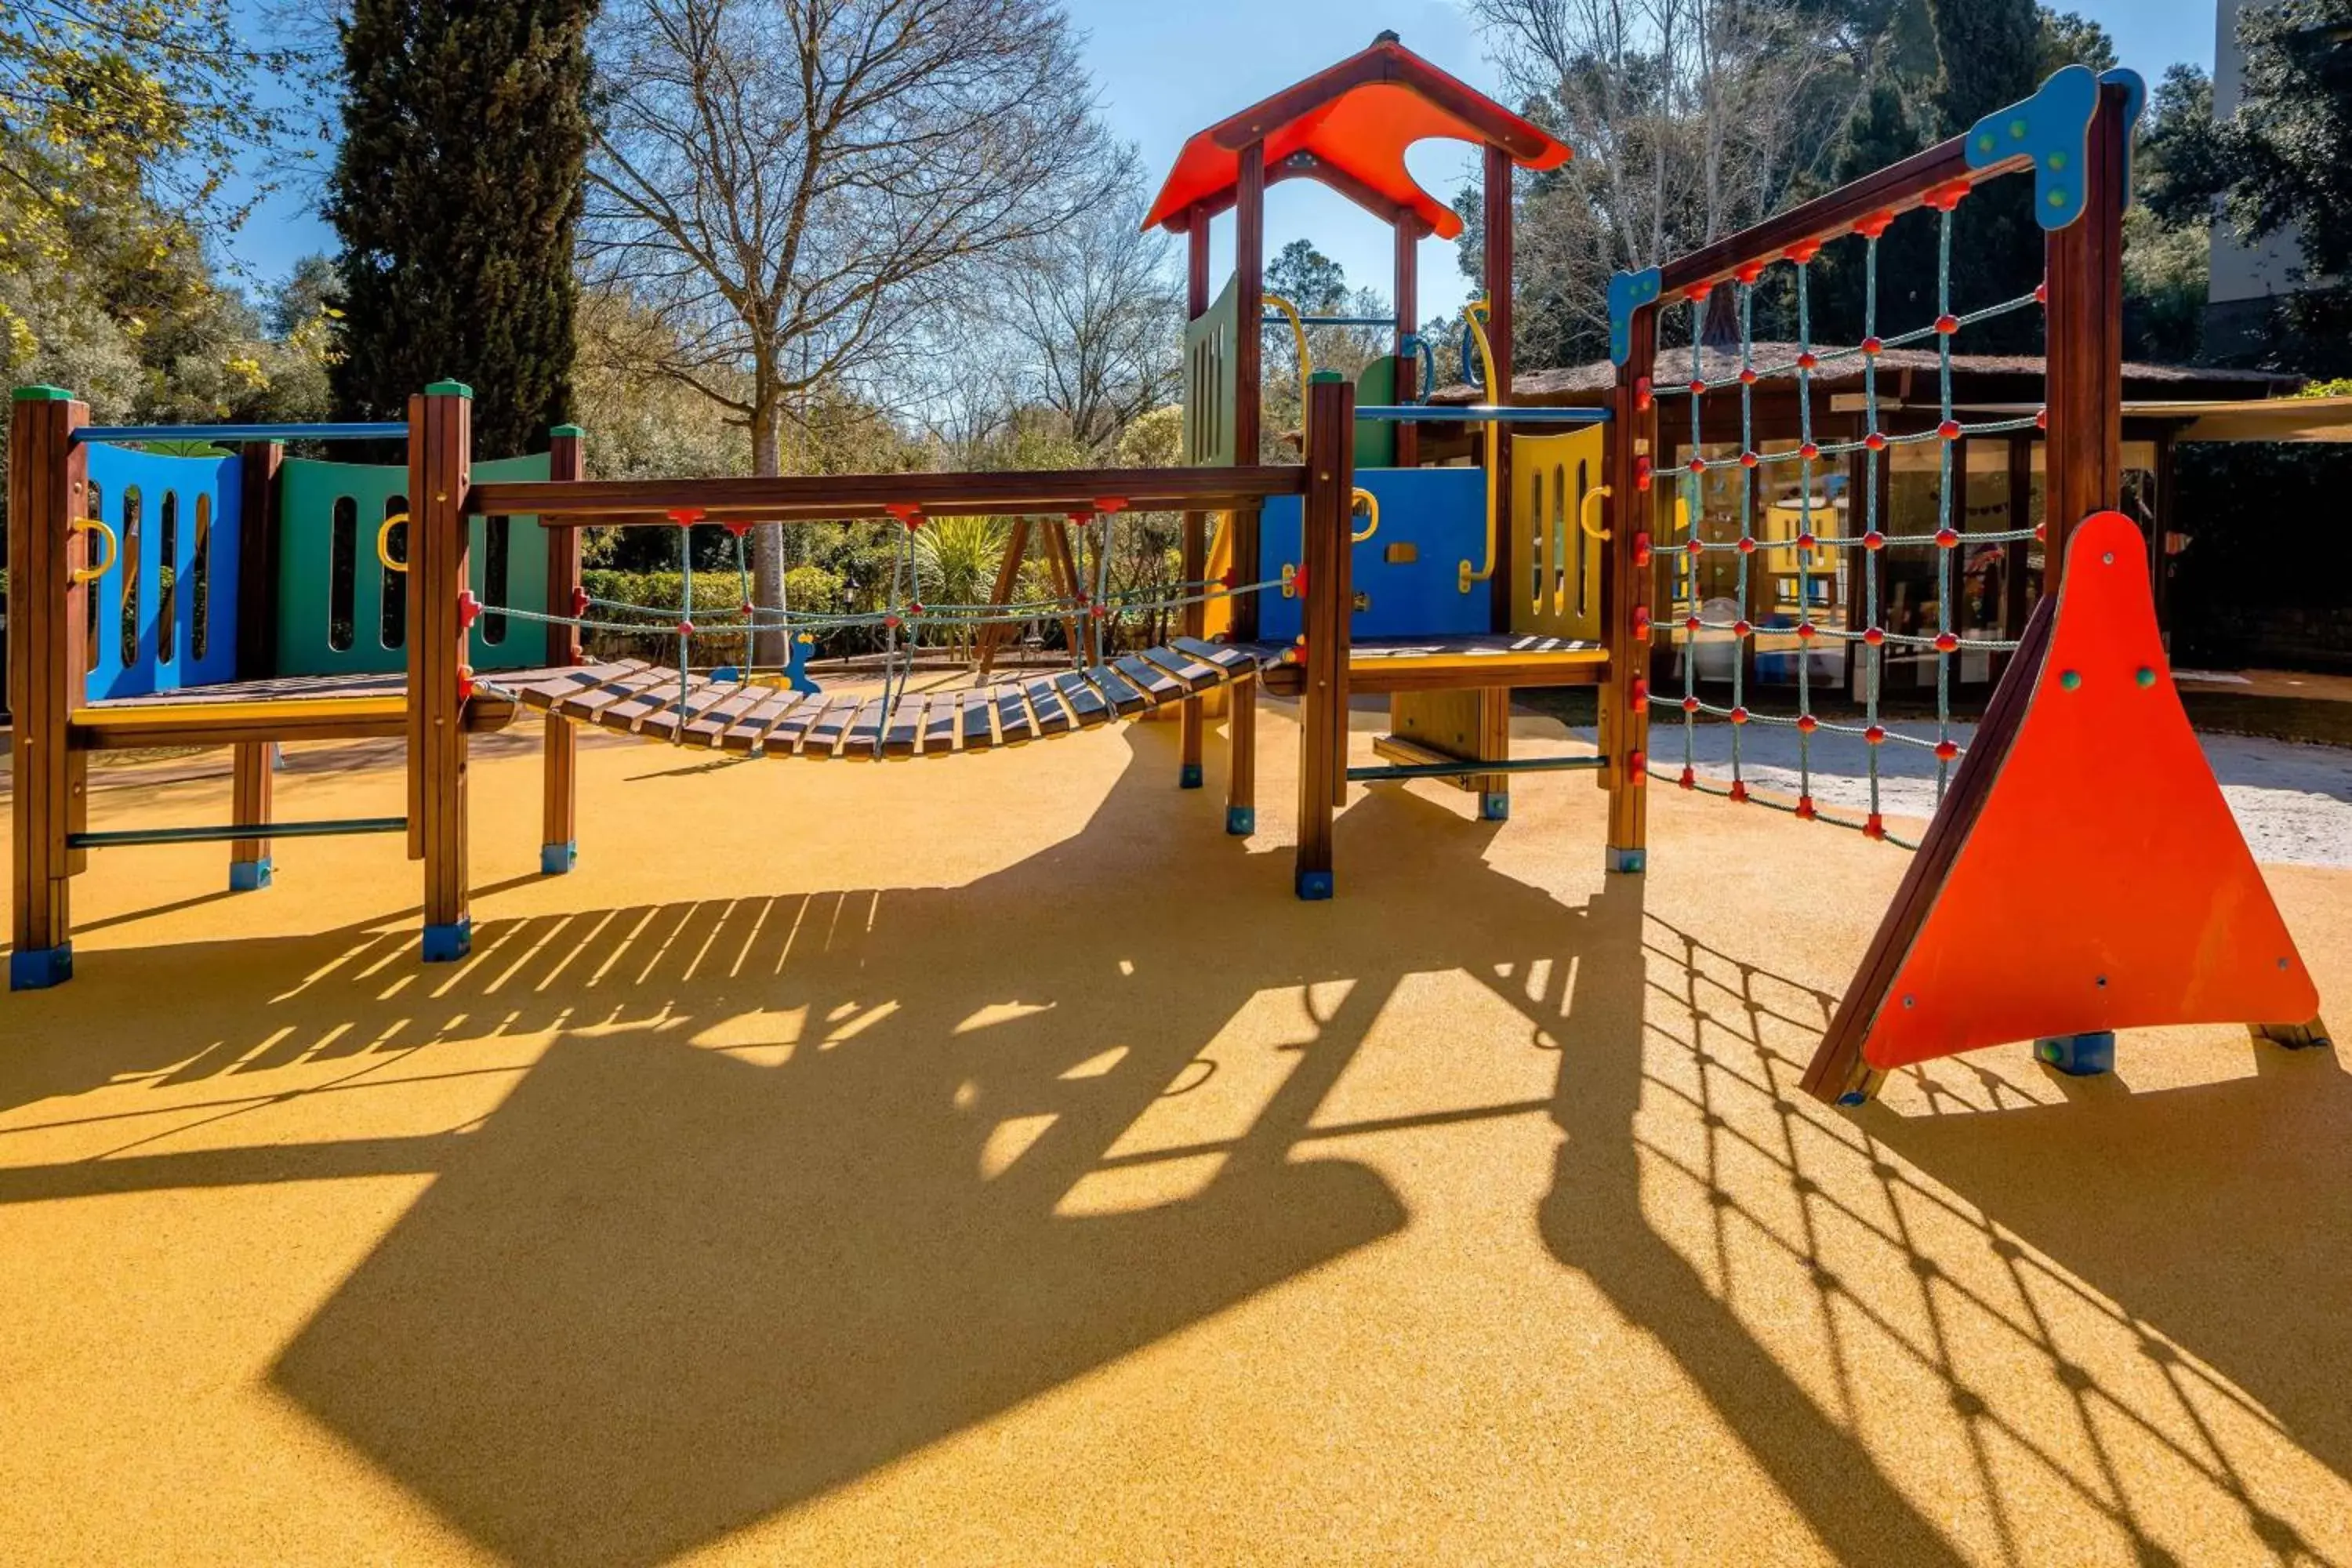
(1875, 440)
(579, 602)
(1807, 723)
(1637, 768)
(2041, 292)
(1807, 631)
(1740, 628)
(2042, 419)
(1946, 750)
(1748, 460)
(1739, 714)
(1876, 827)
(1947, 539)
(1805, 811)
(1691, 624)
(1946, 642)
(1875, 734)
(891, 622)
(1948, 324)
(1747, 377)
(1809, 451)
(1950, 430)
(745, 608)
(1695, 547)
(1738, 793)
(1873, 346)
(685, 628)
(1746, 546)
(1698, 465)
(1873, 636)
(1874, 539)
(1641, 625)
(1690, 779)
(470, 610)
(1809, 361)
(914, 608)
(1690, 704)
(1806, 541)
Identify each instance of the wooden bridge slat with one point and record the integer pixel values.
(1196, 677)
(652, 700)
(1014, 722)
(824, 736)
(714, 722)
(791, 730)
(1232, 660)
(939, 724)
(865, 731)
(1155, 683)
(1052, 718)
(747, 731)
(1124, 699)
(545, 688)
(1085, 703)
(902, 735)
(586, 706)
(978, 735)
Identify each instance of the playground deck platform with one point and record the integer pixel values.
(285, 708)
(993, 1163)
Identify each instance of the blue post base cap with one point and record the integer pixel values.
(555, 860)
(1314, 885)
(1190, 777)
(2078, 1056)
(39, 968)
(1495, 805)
(1632, 862)
(1241, 820)
(249, 875)
(449, 944)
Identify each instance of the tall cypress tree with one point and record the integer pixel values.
(455, 194)
(1990, 54)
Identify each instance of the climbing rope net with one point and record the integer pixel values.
(1093, 609)
(1834, 564)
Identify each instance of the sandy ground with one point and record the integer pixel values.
(988, 1161)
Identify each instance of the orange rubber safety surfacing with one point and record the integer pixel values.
(2104, 884)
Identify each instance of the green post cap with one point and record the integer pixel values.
(448, 389)
(40, 394)
(566, 430)
(1324, 376)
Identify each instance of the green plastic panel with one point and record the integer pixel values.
(312, 639)
(1211, 345)
(1376, 438)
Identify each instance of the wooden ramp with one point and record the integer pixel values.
(632, 697)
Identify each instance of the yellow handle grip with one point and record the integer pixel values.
(1305, 366)
(1589, 517)
(113, 549)
(1371, 505)
(1473, 317)
(383, 543)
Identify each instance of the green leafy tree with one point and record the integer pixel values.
(455, 194)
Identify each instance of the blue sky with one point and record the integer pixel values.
(1167, 68)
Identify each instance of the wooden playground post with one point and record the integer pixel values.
(1494, 727)
(1323, 699)
(258, 533)
(1625, 604)
(1191, 716)
(2085, 335)
(440, 467)
(249, 801)
(48, 640)
(559, 838)
(1249, 284)
(1408, 230)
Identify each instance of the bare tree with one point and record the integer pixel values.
(1093, 312)
(1690, 119)
(793, 185)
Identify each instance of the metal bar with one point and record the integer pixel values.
(1471, 769)
(332, 828)
(383, 430)
(1482, 412)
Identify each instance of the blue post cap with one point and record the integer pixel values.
(448, 389)
(40, 394)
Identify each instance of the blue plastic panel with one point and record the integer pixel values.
(1440, 513)
(180, 629)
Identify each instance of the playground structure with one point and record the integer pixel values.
(1536, 568)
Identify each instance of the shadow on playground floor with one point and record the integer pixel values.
(751, 1228)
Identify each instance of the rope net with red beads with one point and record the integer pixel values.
(1826, 555)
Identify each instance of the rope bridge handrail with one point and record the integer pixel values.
(590, 503)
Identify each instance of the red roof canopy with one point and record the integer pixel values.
(1349, 127)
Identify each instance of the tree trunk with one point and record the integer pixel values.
(769, 647)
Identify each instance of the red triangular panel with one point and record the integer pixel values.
(2104, 883)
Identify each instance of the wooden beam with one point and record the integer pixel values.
(1407, 289)
(559, 837)
(440, 467)
(249, 797)
(1323, 709)
(589, 503)
(1192, 718)
(1249, 393)
(2085, 335)
(1625, 596)
(1500, 257)
(48, 492)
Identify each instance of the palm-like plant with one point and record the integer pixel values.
(956, 561)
